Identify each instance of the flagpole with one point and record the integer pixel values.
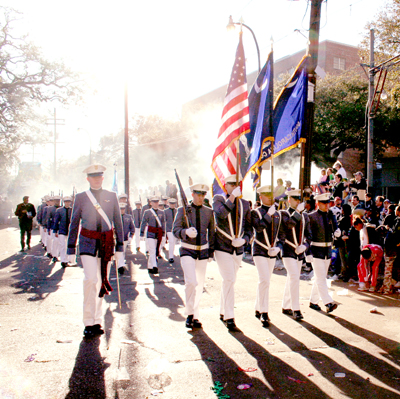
(271, 130)
(237, 184)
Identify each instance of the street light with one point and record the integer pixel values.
(231, 27)
(90, 144)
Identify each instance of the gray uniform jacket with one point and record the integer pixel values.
(294, 231)
(150, 220)
(225, 210)
(170, 214)
(129, 227)
(144, 209)
(51, 213)
(323, 225)
(85, 214)
(263, 230)
(202, 219)
(137, 217)
(39, 213)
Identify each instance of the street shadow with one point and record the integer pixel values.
(284, 380)
(87, 379)
(391, 349)
(372, 365)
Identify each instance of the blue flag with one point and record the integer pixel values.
(114, 184)
(255, 146)
(289, 111)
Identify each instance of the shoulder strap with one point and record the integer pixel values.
(98, 208)
(156, 216)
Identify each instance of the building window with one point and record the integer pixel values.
(339, 63)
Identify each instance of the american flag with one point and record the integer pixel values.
(235, 120)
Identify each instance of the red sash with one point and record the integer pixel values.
(158, 232)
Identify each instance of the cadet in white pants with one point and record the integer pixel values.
(169, 221)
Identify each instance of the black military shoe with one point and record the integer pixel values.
(265, 319)
(55, 260)
(22, 250)
(29, 247)
(171, 261)
(297, 315)
(64, 264)
(151, 271)
(155, 270)
(330, 307)
(189, 321)
(258, 314)
(221, 317)
(88, 332)
(196, 323)
(230, 324)
(49, 255)
(121, 270)
(97, 329)
(315, 306)
(288, 312)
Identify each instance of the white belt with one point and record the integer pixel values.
(321, 244)
(261, 244)
(291, 244)
(194, 247)
(226, 234)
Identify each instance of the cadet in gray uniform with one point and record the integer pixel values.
(265, 221)
(161, 207)
(170, 214)
(39, 218)
(137, 219)
(154, 220)
(229, 248)
(52, 240)
(129, 232)
(296, 236)
(323, 227)
(197, 233)
(96, 211)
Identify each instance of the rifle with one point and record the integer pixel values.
(185, 205)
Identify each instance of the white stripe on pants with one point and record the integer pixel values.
(92, 304)
(62, 245)
(291, 295)
(137, 236)
(151, 245)
(265, 267)
(320, 287)
(171, 245)
(228, 266)
(194, 271)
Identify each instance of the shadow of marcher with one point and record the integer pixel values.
(87, 378)
(372, 365)
(282, 377)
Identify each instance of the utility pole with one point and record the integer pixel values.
(370, 133)
(55, 122)
(126, 143)
(315, 18)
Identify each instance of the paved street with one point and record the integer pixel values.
(148, 352)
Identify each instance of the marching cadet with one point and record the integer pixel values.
(265, 221)
(62, 220)
(144, 209)
(161, 207)
(46, 217)
(97, 212)
(195, 227)
(229, 248)
(49, 202)
(123, 199)
(296, 236)
(169, 220)
(323, 227)
(52, 247)
(129, 232)
(154, 220)
(39, 218)
(165, 199)
(137, 219)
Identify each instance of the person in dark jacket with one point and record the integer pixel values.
(344, 224)
(25, 213)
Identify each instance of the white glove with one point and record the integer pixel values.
(300, 208)
(209, 260)
(337, 233)
(309, 258)
(191, 232)
(273, 252)
(237, 192)
(300, 249)
(238, 242)
(118, 256)
(271, 210)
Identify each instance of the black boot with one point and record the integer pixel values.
(189, 321)
(264, 319)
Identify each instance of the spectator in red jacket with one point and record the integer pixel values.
(367, 275)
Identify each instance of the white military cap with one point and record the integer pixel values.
(161, 203)
(95, 170)
(123, 196)
(232, 179)
(56, 197)
(122, 205)
(47, 197)
(264, 189)
(323, 197)
(293, 193)
(67, 198)
(199, 187)
(154, 198)
(138, 203)
(164, 197)
(172, 201)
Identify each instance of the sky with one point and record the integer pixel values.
(168, 52)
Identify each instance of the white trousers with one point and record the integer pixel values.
(163, 242)
(55, 248)
(194, 271)
(92, 304)
(49, 242)
(62, 245)
(151, 246)
(265, 267)
(171, 245)
(228, 266)
(44, 237)
(320, 287)
(121, 260)
(137, 236)
(41, 231)
(291, 295)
